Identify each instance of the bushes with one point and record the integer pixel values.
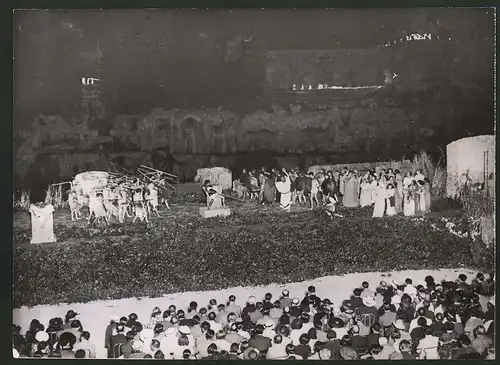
(185, 256)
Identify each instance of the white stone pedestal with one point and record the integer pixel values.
(219, 212)
(42, 224)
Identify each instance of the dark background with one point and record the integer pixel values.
(180, 58)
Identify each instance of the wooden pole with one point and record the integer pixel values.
(159, 171)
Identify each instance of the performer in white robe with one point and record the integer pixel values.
(380, 196)
(283, 186)
(365, 198)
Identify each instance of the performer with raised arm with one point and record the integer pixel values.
(283, 185)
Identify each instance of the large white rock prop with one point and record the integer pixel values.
(90, 180)
(217, 176)
(472, 157)
(42, 224)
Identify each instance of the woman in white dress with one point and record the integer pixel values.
(365, 197)
(380, 198)
(373, 186)
(391, 200)
(408, 200)
(283, 185)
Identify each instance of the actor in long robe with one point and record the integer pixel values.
(427, 195)
(409, 201)
(269, 188)
(351, 192)
(398, 196)
(365, 197)
(380, 199)
(283, 185)
(420, 198)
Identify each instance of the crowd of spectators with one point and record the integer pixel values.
(427, 320)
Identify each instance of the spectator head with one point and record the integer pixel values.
(221, 307)
(312, 333)
(137, 327)
(42, 345)
(305, 317)
(365, 284)
(156, 312)
(85, 335)
(251, 300)
(355, 330)
(70, 315)
(212, 316)
(345, 341)
(205, 326)
(311, 289)
(259, 329)
(296, 324)
(259, 305)
(174, 320)
(278, 339)
(147, 356)
(203, 311)
(67, 340)
(284, 331)
(304, 339)
(285, 293)
(405, 346)
(376, 348)
(439, 317)
(76, 324)
(244, 345)
(130, 335)
(422, 322)
(325, 354)
(132, 317)
(220, 335)
(158, 328)
(290, 349)
(196, 319)
(268, 297)
(376, 327)
(253, 354)
(80, 354)
(212, 349)
(231, 317)
(155, 344)
(172, 309)
(186, 354)
(234, 348)
(159, 355)
(210, 334)
(277, 304)
(120, 328)
(357, 292)
(181, 314)
(449, 327)
(233, 327)
(331, 335)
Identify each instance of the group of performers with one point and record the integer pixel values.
(388, 192)
(137, 201)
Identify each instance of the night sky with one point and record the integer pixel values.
(179, 58)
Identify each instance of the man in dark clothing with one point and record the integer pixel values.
(117, 339)
(108, 334)
(359, 343)
(260, 342)
(333, 343)
(127, 346)
(303, 349)
(464, 348)
(356, 300)
(372, 338)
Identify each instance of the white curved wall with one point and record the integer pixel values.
(466, 156)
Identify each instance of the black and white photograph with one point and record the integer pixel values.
(254, 184)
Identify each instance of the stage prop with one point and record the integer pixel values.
(470, 160)
(216, 175)
(42, 224)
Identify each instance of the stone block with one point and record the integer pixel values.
(210, 213)
(42, 224)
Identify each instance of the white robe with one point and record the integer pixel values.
(285, 195)
(365, 198)
(380, 196)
